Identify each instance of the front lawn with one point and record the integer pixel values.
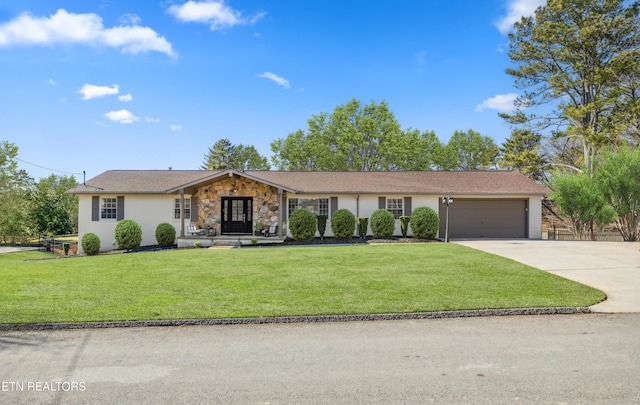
(265, 282)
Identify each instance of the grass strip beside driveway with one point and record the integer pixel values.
(233, 283)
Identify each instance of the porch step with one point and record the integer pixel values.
(227, 242)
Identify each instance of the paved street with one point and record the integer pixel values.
(570, 359)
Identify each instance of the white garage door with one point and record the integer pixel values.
(469, 218)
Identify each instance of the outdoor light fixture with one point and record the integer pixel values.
(447, 201)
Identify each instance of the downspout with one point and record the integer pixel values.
(182, 212)
(357, 207)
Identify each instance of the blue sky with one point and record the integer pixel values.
(115, 84)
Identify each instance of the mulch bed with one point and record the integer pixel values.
(346, 241)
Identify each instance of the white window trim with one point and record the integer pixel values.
(102, 208)
(187, 201)
(401, 203)
(299, 205)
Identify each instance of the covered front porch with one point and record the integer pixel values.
(227, 240)
(231, 205)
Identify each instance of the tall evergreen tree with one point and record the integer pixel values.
(577, 56)
(522, 152)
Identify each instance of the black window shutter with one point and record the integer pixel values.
(95, 208)
(194, 209)
(382, 203)
(334, 205)
(407, 206)
(120, 208)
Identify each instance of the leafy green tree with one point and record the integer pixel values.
(355, 137)
(50, 215)
(581, 201)
(225, 155)
(53, 210)
(15, 189)
(618, 180)
(248, 158)
(576, 56)
(468, 151)
(521, 152)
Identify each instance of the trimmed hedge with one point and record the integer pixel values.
(302, 224)
(322, 225)
(165, 234)
(383, 224)
(404, 225)
(363, 222)
(424, 223)
(343, 224)
(128, 234)
(90, 243)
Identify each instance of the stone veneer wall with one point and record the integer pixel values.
(265, 201)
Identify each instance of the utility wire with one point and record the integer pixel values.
(46, 168)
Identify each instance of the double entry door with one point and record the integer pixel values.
(237, 215)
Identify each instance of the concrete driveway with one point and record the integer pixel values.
(613, 267)
(11, 249)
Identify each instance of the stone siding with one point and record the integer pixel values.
(265, 201)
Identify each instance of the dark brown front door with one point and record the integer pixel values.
(237, 215)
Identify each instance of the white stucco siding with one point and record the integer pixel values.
(365, 204)
(147, 210)
(535, 217)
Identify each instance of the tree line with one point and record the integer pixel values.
(29, 209)
(360, 137)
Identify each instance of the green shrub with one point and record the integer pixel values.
(383, 224)
(343, 223)
(165, 234)
(322, 225)
(128, 234)
(90, 243)
(404, 225)
(363, 222)
(302, 224)
(424, 223)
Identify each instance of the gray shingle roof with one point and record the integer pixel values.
(428, 182)
(139, 181)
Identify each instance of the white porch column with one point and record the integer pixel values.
(182, 212)
(280, 209)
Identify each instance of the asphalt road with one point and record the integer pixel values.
(563, 359)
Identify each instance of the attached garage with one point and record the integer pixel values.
(485, 218)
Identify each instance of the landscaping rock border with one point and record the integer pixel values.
(298, 319)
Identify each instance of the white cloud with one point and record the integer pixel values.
(280, 80)
(516, 9)
(90, 91)
(152, 120)
(130, 19)
(125, 97)
(175, 128)
(51, 82)
(122, 116)
(87, 29)
(215, 13)
(501, 102)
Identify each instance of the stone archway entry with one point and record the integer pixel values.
(237, 215)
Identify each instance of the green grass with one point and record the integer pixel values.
(203, 283)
